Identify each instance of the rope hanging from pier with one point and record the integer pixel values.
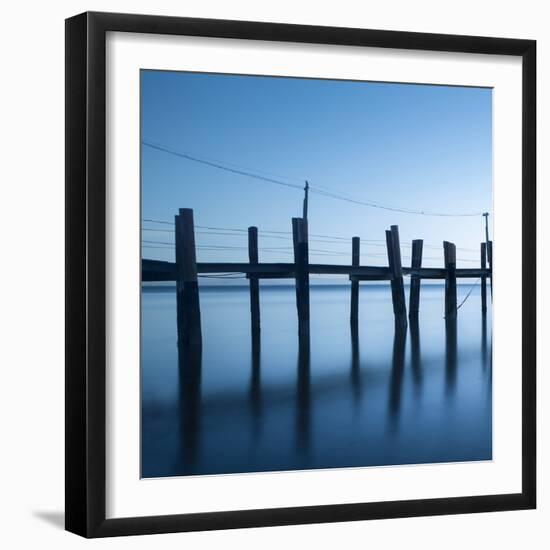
(468, 295)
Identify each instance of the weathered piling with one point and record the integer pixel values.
(396, 270)
(187, 288)
(449, 252)
(254, 282)
(483, 278)
(416, 263)
(301, 261)
(185, 269)
(355, 255)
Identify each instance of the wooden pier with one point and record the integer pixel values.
(185, 270)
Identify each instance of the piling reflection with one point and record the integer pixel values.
(255, 392)
(403, 388)
(450, 356)
(486, 363)
(416, 355)
(189, 404)
(484, 353)
(303, 395)
(355, 365)
(396, 377)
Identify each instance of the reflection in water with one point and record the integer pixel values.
(450, 356)
(486, 363)
(396, 378)
(416, 356)
(255, 385)
(303, 394)
(289, 403)
(190, 368)
(484, 355)
(355, 365)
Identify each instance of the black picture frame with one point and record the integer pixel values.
(86, 264)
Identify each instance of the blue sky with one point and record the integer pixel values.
(417, 147)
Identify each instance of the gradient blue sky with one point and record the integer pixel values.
(412, 146)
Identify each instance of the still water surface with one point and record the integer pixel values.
(370, 397)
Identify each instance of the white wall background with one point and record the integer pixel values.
(32, 263)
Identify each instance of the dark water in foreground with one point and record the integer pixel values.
(366, 398)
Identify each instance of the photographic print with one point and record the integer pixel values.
(280, 274)
(316, 264)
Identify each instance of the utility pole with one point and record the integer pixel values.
(486, 216)
(306, 191)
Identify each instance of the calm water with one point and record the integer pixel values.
(365, 398)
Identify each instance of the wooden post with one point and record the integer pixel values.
(483, 278)
(449, 252)
(254, 281)
(187, 288)
(301, 261)
(397, 286)
(416, 263)
(355, 254)
(306, 192)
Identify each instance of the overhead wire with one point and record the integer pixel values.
(222, 165)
